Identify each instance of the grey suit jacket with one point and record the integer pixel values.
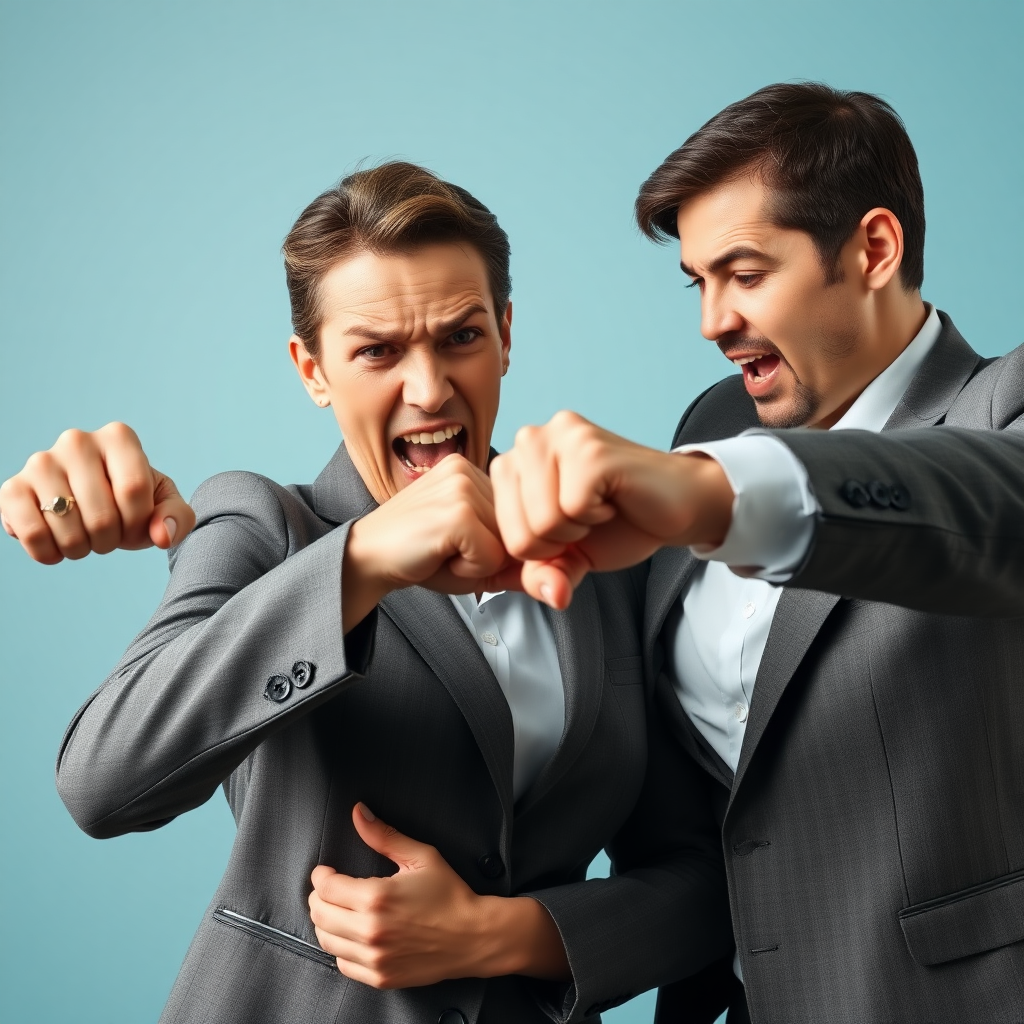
(873, 834)
(242, 678)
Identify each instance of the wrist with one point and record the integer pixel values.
(710, 501)
(518, 936)
(363, 583)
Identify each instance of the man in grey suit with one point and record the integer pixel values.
(307, 657)
(868, 758)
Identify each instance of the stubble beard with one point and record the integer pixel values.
(780, 414)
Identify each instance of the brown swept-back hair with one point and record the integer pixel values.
(394, 208)
(826, 157)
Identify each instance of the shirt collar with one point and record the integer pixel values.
(876, 403)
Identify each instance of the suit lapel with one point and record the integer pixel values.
(432, 625)
(577, 633)
(671, 569)
(938, 381)
(800, 614)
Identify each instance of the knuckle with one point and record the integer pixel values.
(39, 463)
(524, 435)
(119, 432)
(72, 439)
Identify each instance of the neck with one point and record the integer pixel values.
(894, 320)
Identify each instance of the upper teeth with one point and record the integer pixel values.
(434, 437)
(743, 360)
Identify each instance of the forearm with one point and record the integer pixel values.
(954, 541)
(211, 675)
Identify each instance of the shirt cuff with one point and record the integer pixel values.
(773, 511)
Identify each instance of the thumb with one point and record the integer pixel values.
(388, 841)
(554, 580)
(172, 519)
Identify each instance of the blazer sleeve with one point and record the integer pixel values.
(247, 637)
(947, 535)
(664, 913)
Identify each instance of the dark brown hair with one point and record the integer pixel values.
(394, 208)
(826, 156)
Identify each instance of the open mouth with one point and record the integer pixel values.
(422, 450)
(758, 370)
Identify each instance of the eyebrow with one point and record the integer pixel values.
(742, 252)
(439, 329)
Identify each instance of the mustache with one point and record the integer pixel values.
(729, 344)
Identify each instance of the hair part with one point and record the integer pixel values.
(825, 156)
(394, 208)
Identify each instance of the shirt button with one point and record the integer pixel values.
(489, 638)
(741, 712)
(748, 609)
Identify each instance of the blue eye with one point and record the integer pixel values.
(465, 336)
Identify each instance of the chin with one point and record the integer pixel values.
(781, 412)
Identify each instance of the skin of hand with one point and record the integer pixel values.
(438, 532)
(572, 498)
(424, 924)
(120, 500)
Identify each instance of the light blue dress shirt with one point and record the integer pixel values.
(515, 637)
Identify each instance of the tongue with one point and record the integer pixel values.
(431, 454)
(763, 366)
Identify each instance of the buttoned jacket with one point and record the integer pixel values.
(242, 678)
(873, 833)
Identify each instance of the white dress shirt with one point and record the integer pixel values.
(515, 637)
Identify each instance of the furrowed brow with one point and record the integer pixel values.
(442, 328)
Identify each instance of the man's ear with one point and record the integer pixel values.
(505, 332)
(881, 250)
(309, 371)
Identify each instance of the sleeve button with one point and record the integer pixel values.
(278, 689)
(900, 497)
(302, 673)
(880, 493)
(855, 493)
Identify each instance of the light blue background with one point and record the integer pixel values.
(153, 157)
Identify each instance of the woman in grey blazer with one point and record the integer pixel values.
(306, 656)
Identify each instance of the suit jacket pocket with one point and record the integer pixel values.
(963, 923)
(625, 671)
(275, 936)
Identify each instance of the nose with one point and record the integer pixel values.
(425, 383)
(717, 315)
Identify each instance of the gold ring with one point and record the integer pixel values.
(60, 506)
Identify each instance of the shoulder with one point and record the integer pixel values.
(997, 390)
(723, 410)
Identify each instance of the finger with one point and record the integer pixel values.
(131, 481)
(555, 580)
(24, 521)
(480, 552)
(388, 841)
(365, 975)
(341, 922)
(514, 528)
(343, 891)
(538, 470)
(172, 519)
(45, 475)
(87, 480)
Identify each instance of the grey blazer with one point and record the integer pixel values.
(242, 678)
(873, 834)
